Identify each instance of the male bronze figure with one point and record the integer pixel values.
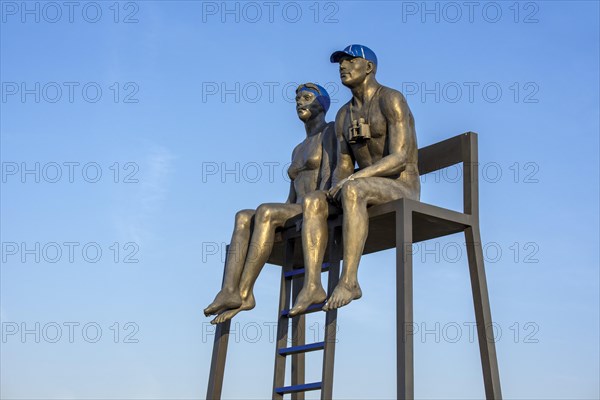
(376, 131)
(311, 169)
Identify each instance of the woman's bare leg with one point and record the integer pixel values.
(268, 217)
(229, 296)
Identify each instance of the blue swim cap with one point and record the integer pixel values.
(355, 50)
(319, 91)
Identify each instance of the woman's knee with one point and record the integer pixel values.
(264, 214)
(243, 219)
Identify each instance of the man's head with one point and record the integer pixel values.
(311, 100)
(357, 62)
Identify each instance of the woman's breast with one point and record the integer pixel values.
(313, 161)
(307, 159)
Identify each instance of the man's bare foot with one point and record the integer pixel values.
(247, 304)
(313, 294)
(225, 300)
(343, 294)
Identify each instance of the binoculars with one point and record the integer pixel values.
(358, 131)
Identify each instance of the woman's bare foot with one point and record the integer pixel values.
(225, 300)
(313, 294)
(343, 294)
(247, 304)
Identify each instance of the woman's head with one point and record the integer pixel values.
(311, 100)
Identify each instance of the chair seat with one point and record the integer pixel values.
(429, 222)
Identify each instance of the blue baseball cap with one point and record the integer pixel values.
(355, 50)
(319, 91)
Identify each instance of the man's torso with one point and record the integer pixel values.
(369, 151)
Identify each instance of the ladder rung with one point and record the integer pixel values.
(302, 349)
(310, 309)
(300, 271)
(299, 388)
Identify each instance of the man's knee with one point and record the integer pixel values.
(243, 218)
(351, 192)
(315, 204)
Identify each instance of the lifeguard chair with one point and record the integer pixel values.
(397, 224)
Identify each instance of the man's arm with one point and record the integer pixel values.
(345, 158)
(400, 137)
(328, 157)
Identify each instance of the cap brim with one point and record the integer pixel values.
(336, 56)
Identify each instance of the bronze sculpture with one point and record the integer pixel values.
(253, 236)
(375, 130)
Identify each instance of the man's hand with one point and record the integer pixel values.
(333, 193)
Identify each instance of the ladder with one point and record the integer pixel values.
(292, 279)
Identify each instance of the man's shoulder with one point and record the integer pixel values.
(341, 115)
(389, 94)
(393, 102)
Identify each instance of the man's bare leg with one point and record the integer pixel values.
(355, 225)
(314, 242)
(229, 296)
(356, 195)
(268, 217)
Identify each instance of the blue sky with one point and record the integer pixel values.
(146, 125)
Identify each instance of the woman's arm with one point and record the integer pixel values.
(292, 196)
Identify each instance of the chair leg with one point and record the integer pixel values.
(483, 315)
(217, 365)
(219, 355)
(404, 303)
